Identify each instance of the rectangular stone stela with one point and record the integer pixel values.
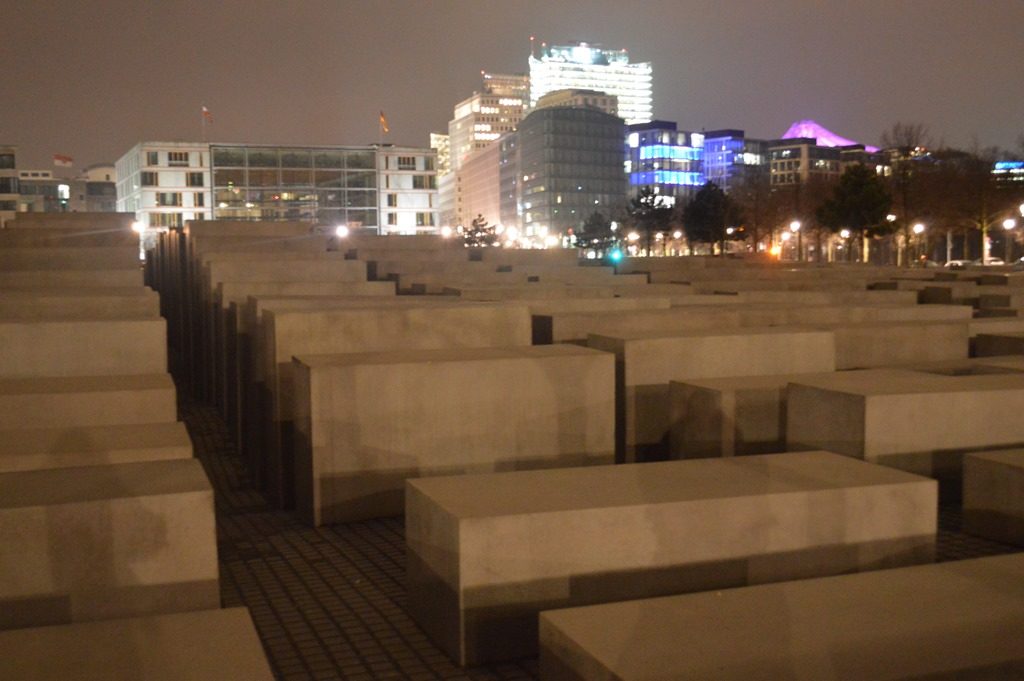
(209, 645)
(103, 542)
(647, 365)
(487, 552)
(993, 498)
(958, 620)
(915, 421)
(367, 421)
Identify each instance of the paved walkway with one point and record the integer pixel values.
(329, 603)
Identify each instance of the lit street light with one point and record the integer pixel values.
(1008, 225)
(342, 231)
(795, 228)
(918, 229)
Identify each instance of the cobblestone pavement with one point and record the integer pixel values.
(329, 603)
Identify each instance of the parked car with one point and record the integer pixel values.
(991, 262)
(1019, 265)
(958, 264)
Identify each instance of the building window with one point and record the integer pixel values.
(392, 200)
(198, 199)
(152, 158)
(7, 161)
(407, 163)
(428, 163)
(424, 219)
(424, 182)
(392, 218)
(168, 199)
(148, 179)
(177, 159)
(165, 220)
(194, 179)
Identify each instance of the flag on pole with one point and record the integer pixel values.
(62, 160)
(384, 123)
(207, 116)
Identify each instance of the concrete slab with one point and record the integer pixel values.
(993, 495)
(103, 542)
(416, 327)
(647, 365)
(487, 552)
(723, 417)
(70, 278)
(72, 401)
(368, 421)
(995, 345)
(109, 347)
(96, 304)
(111, 257)
(947, 621)
(26, 449)
(863, 346)
(210, 645)
(918, 422)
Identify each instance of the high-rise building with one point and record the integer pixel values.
(9, 191)
(386, 188)
(568, 164)
(487, 114)
(798, 160)
(581, 66)
(665, 160)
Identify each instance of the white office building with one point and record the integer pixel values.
(582, 66)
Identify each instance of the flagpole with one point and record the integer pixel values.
(202, 123)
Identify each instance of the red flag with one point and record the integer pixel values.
(207, 116)
(62, 160)
(384, 123)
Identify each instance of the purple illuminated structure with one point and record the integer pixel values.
(825, 137)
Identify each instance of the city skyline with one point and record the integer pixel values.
(91, 80)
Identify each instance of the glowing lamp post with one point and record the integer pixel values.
(794, 227)
(918, 230)
(1008, 225)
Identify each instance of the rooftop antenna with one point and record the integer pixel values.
(531, 48)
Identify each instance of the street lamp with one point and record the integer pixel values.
(1008, 225)
(795, 228)
(342, 231)
(918, 229)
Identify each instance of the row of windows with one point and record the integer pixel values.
(175, 199)
(234, 196)
(175, 159)
(273, 177)
(422, 219)
(294, 158)
(151, 178)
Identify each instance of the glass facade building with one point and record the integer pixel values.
(729, 156)
(329, 186)
(568, 165)
(665, 160)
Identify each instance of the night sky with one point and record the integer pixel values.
(90, 79)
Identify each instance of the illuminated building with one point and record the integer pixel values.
(589, 67)
(479, 186)
(730, 157)
(9, 192)
(796, 161)
(560, 167)
(385, 188)
(489, 113)
(41, 192)
(165, 183)
(665, 160)
(1008, 171)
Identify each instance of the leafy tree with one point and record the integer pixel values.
(649, 215)
(597, 233)
(761, 207)
(860, 203)
(480, 233)
(707, 217)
